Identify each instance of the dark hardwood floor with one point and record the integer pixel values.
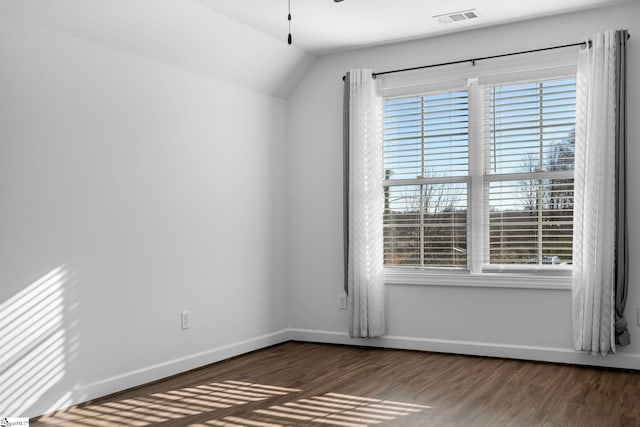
(304, 384)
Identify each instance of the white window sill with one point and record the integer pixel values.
(537, 278)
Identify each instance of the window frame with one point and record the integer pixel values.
(544, 66)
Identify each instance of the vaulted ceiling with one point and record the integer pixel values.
(179, 33)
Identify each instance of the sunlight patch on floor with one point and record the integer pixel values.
(205, 401)
(330, 408)
(167, 406)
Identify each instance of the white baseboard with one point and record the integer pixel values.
(542, 354)
(49, 403)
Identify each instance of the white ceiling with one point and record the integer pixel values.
(322, 26)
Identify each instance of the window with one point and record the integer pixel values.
(426, 163)
(499, 197)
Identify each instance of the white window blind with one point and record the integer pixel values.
(529, 158)
(514, 142)
(426, 162)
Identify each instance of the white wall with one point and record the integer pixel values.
(130, 190)
(525, 323)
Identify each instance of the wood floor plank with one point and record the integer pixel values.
(304, 384)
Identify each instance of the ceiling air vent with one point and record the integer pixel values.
(457, 16)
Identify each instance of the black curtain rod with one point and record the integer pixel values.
(473, 60)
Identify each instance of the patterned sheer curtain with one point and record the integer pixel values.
(364, 273)
(600, 242)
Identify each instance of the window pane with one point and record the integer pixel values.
(426, 225)
(531, 221)
(426, 136)
(532, 126)
(531, 134)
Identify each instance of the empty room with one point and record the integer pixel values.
(279, 213)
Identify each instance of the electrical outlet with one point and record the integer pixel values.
(184, 320)
(342, 302)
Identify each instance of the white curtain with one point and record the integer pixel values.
(364, 204)
(594, 204)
